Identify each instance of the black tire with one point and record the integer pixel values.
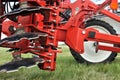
(101, 24)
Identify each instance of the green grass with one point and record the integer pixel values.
(67, 69)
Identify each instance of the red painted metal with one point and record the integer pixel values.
(108, 48)
(72, 32)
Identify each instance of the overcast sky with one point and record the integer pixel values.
(96, 1)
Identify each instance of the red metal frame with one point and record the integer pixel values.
(72, 32)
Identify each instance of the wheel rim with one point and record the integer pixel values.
(90, 49)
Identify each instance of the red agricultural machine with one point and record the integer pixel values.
(36, 26)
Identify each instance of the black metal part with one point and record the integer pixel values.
(15, 65)
(11, 29)
(66, 14)
(91, 34)
(96, 46)
(24, 11)
(18, 37)
(51, 2)
(13, 49)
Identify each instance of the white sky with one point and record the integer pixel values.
(100, 1)
(96, 1)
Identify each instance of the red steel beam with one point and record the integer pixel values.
(108, 48)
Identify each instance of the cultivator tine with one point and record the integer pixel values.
(15, 65)
(18, 37)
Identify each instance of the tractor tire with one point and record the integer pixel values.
(90, 55)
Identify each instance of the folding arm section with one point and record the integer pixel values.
(100, 8)
(75, 39)
(105, 38)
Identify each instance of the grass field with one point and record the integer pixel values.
(67, 69)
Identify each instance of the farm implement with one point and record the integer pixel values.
(36, 27)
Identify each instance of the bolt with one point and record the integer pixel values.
(12, 29)
(51, 37)
(52, 30)
(55, 8)
(51, 44)
(83, 32)
(54, 21)
(50, 54)
(54, 14)
(48, 67)
(31, 47)
(19, 24)
(40, 47)
(83, 0)
(48, 61)
(77, 8)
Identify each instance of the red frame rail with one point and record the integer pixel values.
(73, 32)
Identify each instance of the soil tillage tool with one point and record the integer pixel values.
(36, 26)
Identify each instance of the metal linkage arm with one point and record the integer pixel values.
(105, 38)
(90, 34)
